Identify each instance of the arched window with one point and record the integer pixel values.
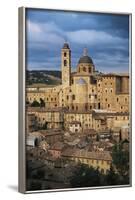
(73, 97)
(65, 63)
(65, 54)
(89, 69)
(84, 69)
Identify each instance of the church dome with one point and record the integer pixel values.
(85, 59)
(81, 81)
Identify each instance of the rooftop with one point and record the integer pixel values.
(85, 154)
(57, 146)
(66, 46)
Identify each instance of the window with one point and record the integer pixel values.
(67, 97)
(65, 63)
(89, 95)
(108, 105)
(84, 69)
(89, 69)
(106, 99)
(117, 99)
(73, 97)
(72, 107)
(76, 107)
(125, 99)
(95, 96)
(72, 81)
(65, 54)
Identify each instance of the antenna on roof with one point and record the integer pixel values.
(65, 40)
(85, 51)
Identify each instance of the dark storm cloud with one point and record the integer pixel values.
(105, 35)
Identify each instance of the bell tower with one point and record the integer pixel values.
(66, 64)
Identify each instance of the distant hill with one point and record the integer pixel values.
(43, 77)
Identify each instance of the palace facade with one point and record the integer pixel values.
(86, 99)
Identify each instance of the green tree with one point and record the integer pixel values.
(120, 159)
(86, 177)
(35, 104)
(112, 178)
(35, 186)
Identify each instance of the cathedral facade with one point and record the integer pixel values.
(82, 93)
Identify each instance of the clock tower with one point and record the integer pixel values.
(66, 64)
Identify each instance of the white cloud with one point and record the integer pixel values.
(93, 37)
(33, 27)
(44, 32)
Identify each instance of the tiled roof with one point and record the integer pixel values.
(88, 155)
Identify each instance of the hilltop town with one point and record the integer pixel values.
(77, 121)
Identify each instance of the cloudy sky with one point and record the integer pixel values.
(106, 37)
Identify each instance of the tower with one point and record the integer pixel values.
(66, 64)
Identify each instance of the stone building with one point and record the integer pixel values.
(81, 94)
(100, 160)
